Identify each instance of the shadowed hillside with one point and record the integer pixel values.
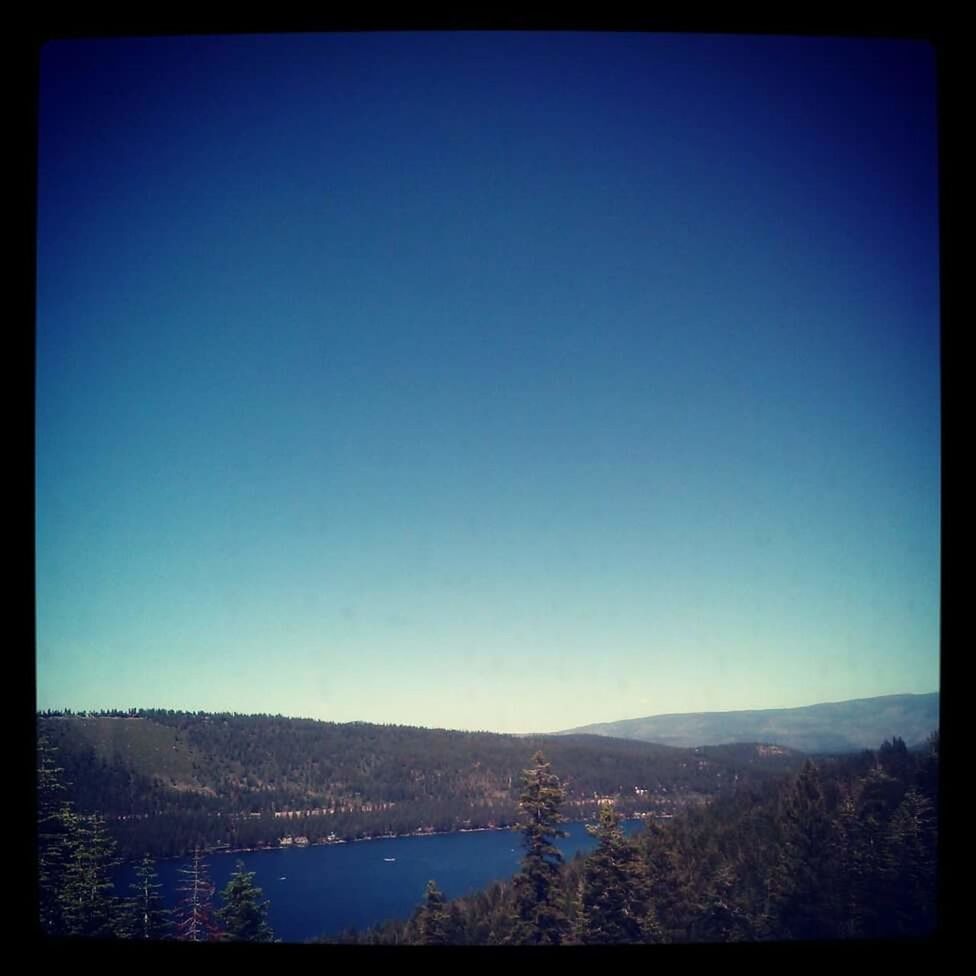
(169, 780)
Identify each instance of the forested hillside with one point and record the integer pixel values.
(842, 849)
(167, 782)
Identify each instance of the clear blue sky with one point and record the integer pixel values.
(499, 381)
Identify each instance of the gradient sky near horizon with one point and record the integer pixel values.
(486, 381)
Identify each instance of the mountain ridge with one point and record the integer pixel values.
(824, 727)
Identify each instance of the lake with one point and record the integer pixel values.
(324, 889)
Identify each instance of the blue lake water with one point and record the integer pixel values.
(324, 889)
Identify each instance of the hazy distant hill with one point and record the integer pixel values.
(831, 727)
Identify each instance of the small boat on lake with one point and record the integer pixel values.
(389, 858)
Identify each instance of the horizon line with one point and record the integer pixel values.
(578, 728)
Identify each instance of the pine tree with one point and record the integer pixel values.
(150, 919)
(801, 882)
(539, 917)
(90, 906)
(910, 865)
(674, 868)
(848, 853)
(928, 771)
(659, 862)
(894, 759)
(244, 915)
(54, 841)
(723, 917)
(879, 796)
(455, 925)
(432, 921)
(195, 915)
(614, 891)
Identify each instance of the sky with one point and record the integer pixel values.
(488, 381)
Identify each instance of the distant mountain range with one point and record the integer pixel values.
(830, 727)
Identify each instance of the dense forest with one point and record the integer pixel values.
(169, 782)
(844, 848)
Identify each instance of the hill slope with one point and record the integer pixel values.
(169, 780)
(831, 727)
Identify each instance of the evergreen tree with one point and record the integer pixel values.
(539, 917)
(54, 840)
(910, 865)
(90, 906)
(432, 922)
(801, 882)
(880, 793)
(614, 891)
(928, 771)
(676, 866)
(244, 915)
(894, 759)
(150, 919)
(195, 915)
(489, 915)
(723, 917)
(849, 852)
(456, 926)
(659, 860)
(878, 797)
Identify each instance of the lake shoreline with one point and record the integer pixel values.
(355, 840)
(324, 889)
